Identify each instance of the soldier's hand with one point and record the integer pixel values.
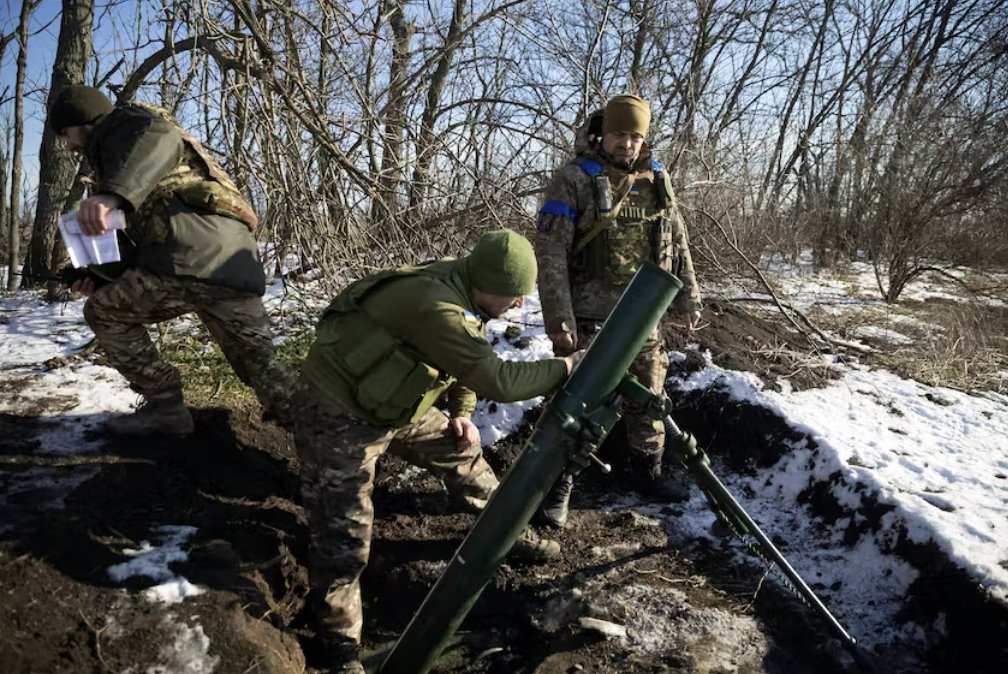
(563, 342)
(93, 212)
(85, 286)
(466, 432)
(572, 360)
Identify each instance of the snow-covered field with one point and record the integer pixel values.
(938, 456)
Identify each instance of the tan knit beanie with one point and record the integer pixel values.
(628, 114)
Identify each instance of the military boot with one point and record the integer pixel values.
(154, 416)
(646, 479)
(472, 496)
(340, 654)
(556, 506)
(533, 548)
(343, 661)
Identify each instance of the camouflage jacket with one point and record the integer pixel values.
(390, 345)
(184, 217)
(596, 224)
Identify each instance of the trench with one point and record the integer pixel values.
(966, 630)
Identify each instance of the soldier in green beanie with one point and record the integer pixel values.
(188, 247)
(605, 211)
(388, 350)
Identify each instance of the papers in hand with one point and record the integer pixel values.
(85, 249)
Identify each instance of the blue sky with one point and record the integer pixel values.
(111, 18)
(44, 31)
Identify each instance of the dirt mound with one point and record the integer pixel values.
(65, 613)
(740, 339)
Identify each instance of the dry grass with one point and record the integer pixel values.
(207, 378)
(968, 352)
(961, 346)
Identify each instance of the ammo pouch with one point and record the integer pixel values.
(391, 383)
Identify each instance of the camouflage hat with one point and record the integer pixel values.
(503, 263)
(77, 105)
(626, 113)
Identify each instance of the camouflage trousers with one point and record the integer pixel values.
(645, 435)
(338, 454)
(119, 312)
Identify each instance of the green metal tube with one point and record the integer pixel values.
(543, 459)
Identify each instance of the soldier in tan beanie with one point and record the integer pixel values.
(607, 210)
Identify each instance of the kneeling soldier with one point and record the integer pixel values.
(386, 350)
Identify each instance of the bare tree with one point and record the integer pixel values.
(425, 148)
(366, 132)
(56, 167)
(12, 235)
(14, 213)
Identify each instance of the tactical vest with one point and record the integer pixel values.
(625, 234)
(197, 181)
(388, 380)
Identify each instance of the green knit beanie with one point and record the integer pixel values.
(77, 105)
(503, 263)
(626, 113)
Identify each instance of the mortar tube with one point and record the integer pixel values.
(542, 461)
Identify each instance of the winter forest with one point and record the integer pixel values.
(389, 127)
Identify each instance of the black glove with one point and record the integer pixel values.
(69, 275)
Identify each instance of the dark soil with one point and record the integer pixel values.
(235, 480)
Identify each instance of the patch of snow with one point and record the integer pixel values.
(498, 420)
(882, 335)
(186, 651)
(153, 562)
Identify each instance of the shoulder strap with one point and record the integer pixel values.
(590, 166)
(605, 223)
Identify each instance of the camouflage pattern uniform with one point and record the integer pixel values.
(596, 224)
(387, 349)
(188, 246)
(119, 313)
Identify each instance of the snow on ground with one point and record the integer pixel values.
(152, 562)
(498, 420)
(185, 648)
(802, 285)
(935, 454)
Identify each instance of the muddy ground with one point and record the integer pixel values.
(65, 520)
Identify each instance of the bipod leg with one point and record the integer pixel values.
(684, 446)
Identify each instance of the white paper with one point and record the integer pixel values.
(97, 249)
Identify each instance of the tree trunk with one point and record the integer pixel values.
(12, 257)
(386, 205)
(641, 12)
(56, 167)
(425, 150)
(14, 214)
